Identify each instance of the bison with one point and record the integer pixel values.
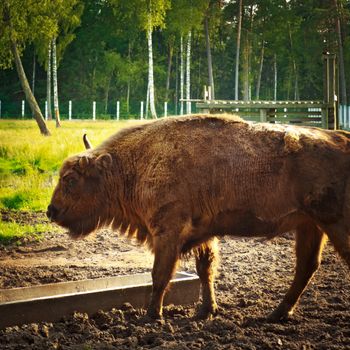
(178, 184)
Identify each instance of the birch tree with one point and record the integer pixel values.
(261, 64)
(182, 75)
(169, 68)
(209, 57)
(342, 79)
(48, 81)
(55, 84)
(184, 17)
(238, 45)
(188, 73)
(152, 16)
(275, 77)
(66, 16)
(150, 69)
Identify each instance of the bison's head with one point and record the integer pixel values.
(80, 200)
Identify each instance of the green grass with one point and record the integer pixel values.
(29, 162)
(14, 232)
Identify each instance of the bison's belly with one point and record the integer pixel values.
(241, 223)
(247, 224)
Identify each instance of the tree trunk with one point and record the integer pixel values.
(258, 84)
(238, 47)
(188, 73)
(150, 75)
(33, 76)
(55, 84)
(128, 83)
(93, 76)
(199, 78)
(107, 95)
(48, 83)
(249, 40)
(27, 91)
(182, 74)
(275, 77)
(147, 101)
(296, 84)
(342, 80)
(128, 98)
(295, 67)
(176, 99)
(209, 57)
(170, 60)
(246, 69)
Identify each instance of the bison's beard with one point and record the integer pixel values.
(80, 228)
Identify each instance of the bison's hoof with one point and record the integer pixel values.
(205, 313)
(148, 319)
(280, 314)
(154, 315)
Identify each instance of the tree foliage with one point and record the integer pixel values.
(24, 21)
(107, 56)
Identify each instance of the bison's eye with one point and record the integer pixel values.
(70, 182)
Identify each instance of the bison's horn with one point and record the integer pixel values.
(86, 142)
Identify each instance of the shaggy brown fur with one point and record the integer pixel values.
(178, 183)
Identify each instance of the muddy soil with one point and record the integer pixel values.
(252, 278)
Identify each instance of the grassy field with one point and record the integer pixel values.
(29, 162)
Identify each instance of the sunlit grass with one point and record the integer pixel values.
(29, 162)
(12, 231)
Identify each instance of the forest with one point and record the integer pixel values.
(162, 50)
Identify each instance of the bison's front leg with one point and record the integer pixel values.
(309, 245)
(166, 255)
(206, 256)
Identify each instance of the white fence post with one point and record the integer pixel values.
(141, 111)
(23, 108)
(70, 110)
(94, 110)
(165, 109)
(118, 110)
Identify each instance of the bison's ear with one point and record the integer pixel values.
(104, 161)
(84, 161)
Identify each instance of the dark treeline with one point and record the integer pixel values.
(104, 56)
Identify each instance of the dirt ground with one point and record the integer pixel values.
(252, 278)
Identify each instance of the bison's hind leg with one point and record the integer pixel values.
(339, 236)
(309, 244)
(206, 259)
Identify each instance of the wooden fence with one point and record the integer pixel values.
(311, 113)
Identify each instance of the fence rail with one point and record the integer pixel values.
(78, 109)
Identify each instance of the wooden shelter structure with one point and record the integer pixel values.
(321, 113)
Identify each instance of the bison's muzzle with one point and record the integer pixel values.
(51, 212)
